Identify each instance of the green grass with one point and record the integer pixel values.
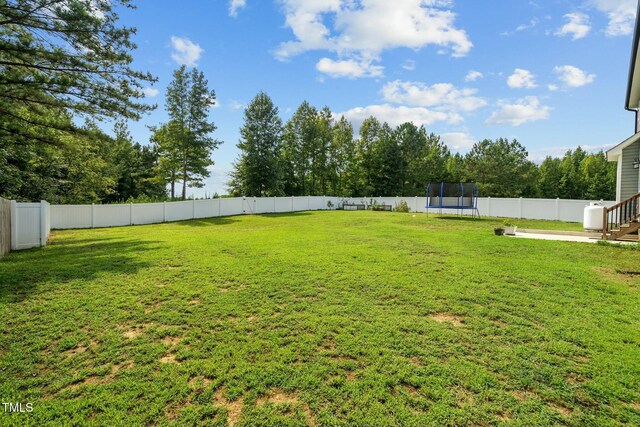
(323, 318)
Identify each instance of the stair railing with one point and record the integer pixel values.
(619, 214)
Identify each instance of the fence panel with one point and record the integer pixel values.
(206, 208)
(264, 205)
(179, 211)
(300, 204)
(147, 213)
(232, 206)
(284, 204)
(112, 215)
(71, 216)
(5, 226)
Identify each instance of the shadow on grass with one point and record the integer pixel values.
(463, 218)
(25, 272)
(284, 214)
(208, 222)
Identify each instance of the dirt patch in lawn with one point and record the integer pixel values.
(234, 409)
(522, 395)
(563, 410)
(152, 307)
(171, 341)
(199, 382)
(448, 318)
(77, 350)
(135, 331)
(464, 398)
(278, 396)
(169, 358)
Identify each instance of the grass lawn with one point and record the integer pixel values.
(322, 318)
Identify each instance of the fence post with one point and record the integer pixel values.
(520, 207)
(557, 208)
(275, 201)
(489, 206)
(93, 215)
(164, 211)
(193, 208)
(255, 204)
(219, 206)
(130, 213)
(308, 203)
(14, 225)
(292, 203)
(43, 223)
(415, 204)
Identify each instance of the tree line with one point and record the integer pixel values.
(65, 69)
(314, 153)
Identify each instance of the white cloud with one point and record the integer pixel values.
(458, 141)
(540, 154)
(521, 79)
(553, 87)
(150, 92)
(396, 115)
(409, 65)
(349, 68)
(235, 105)
(440, 96)
(621, 15)
(578, 26)
(531, 24)
(473, 75)
(185, 52)
(573, 77)
(235, 5)
(522, 111)
(361, 30)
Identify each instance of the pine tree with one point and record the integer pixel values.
(67, 58)
(187, 138)
(256, 172)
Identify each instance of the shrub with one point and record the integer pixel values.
(402, 207)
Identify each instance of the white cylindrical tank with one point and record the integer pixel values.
(593, 217)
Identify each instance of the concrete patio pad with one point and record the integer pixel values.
(568, 237)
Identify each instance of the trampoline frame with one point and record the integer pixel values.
(460, 207)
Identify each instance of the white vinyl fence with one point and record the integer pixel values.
(91, 216)
(31, 222)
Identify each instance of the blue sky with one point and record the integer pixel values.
(551, 73)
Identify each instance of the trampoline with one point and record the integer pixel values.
(461, 196)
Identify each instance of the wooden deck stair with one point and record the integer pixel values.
(621, 219)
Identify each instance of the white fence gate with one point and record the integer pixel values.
(30, 225)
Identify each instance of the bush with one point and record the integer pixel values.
(402, 207)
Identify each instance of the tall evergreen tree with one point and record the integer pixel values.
(500, 167)
(256, 172)
(188, 141)
(386, 174)
(342, 159)
(299, 151)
